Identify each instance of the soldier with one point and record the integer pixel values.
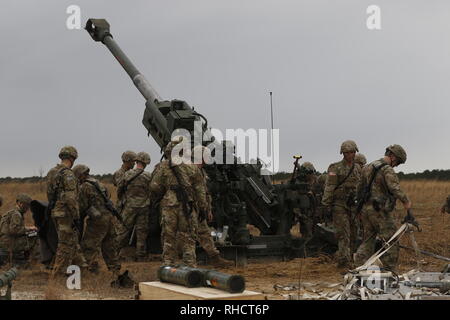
(181, 190)
(446, 206)
(204, 232)
(62, 194)
(13, 233)
(306, 175)
(128, 161)
(383, 184)
(339, 198)
(360, 159)
(100, 234)
(135, 187)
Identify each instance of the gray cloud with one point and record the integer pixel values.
(332, 78)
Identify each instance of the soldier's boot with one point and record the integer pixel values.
(218, 261)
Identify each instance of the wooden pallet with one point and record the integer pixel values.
(156, 290)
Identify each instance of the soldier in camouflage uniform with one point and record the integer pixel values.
(360, 159)
(339, 198)
(180, 203)
(204, 232)
(446, 206)
(100, 233)
(306, 176)
(135, 187)
(14, 242)
(63, 187)
(128, 161)
(377, 211)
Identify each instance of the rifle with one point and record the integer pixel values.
(364, 196)
(181, 193)
(107, 202)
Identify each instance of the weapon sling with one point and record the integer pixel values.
(346, 177)
(368, 188)
(127, 183)
(108, 205)
(181, 192)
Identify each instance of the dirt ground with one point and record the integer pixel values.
(275, 279)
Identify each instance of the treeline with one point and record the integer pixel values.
(35, 179)
(442, 175)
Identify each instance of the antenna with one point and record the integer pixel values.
(271, 133)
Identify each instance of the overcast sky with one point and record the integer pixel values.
(332, 78)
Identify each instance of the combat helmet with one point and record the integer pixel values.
(67, 152)
(128, 156)
(204, 152)
(80, 169)
(143, 157)
(24, 198)
(360, 159)
(398, 151)
(169, 147)
(308, 166)
(349, 146)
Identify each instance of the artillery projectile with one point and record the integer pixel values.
(184, 276)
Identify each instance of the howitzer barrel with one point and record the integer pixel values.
(99, 31)
(156, 123)
(7, 276)
(184, 276)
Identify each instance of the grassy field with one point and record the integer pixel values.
(427, 198)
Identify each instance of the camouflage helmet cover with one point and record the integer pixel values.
(398, 151)
(349, 146)
(68, 152)
(24, 198)
(308, 166)
(80, 169)
(360, 159)
(143, 157)
(169, 147)
(128, 156)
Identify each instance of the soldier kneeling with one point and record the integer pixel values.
(15, 245)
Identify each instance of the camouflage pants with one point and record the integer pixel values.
(17, 250)
(68, 251)
(100, 236)
(175, 227)
(205, 239)
(345, 234)
(137, 219)
(377, 224)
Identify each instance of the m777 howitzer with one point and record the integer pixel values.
(6, 279)
(241, 194)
